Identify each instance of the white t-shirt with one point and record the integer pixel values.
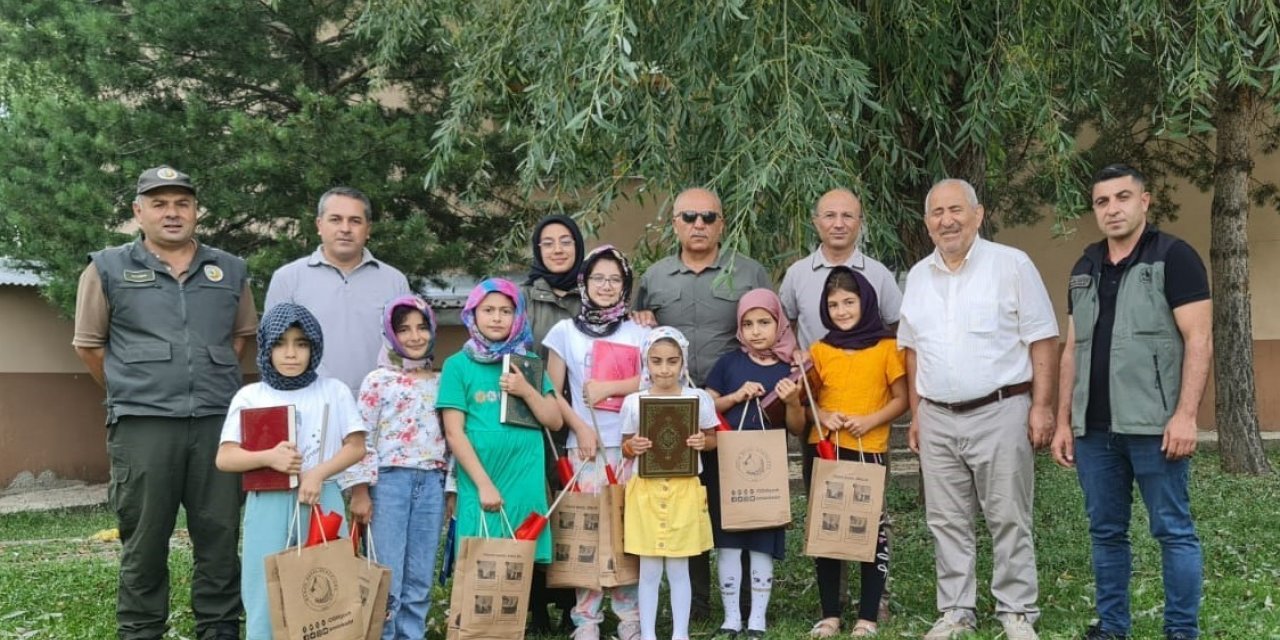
(574, 347)
(309, 403)
(706, 412)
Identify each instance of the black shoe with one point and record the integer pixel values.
(1096, 632)
(1178, 635)
(727, 634)
(755, 633)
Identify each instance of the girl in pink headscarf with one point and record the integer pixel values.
(737, 382)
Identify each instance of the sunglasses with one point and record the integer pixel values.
(708, 217)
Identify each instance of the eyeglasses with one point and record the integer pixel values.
(551, 242)
(708, 217)
(598, 280)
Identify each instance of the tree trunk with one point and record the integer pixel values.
(1236, 407)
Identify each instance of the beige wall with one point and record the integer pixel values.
(35, 339)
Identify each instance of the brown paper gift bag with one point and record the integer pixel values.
(845, 501)
(491, 587)
(618, 568)
(755, 490)
(374, 584)
(318, 592)
(587, 544)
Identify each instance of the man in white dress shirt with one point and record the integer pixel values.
(981, 348)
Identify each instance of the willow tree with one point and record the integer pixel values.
(1207, 80)
(266, 104)
(769, 103)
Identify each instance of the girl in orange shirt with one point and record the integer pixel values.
(861, 387)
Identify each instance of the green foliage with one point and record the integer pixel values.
(265, 104)
(769, 103)
(1175, 64)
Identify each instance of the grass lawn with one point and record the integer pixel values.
(57, 583)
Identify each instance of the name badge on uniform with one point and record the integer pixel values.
(144, 275)
(1080, 282)
(213, 272)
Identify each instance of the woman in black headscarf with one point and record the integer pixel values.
(551, 295)
(551, 290)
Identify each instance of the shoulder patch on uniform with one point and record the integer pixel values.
(143, 275)
(1080, 282)
(213, 272)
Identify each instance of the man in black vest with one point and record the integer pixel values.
(160, 323)
(1138, 351)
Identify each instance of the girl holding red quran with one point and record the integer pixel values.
(598, 353)
(500, 468)
(330, 438)
(861, 388)
(409, 456)
(737, 382)
(666, 518)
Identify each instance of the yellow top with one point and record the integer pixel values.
(856, 382)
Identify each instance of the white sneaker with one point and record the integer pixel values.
(953, 624)
(586, 631)
(1018, 627)
(629, 630)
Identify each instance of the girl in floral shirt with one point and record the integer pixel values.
(407, 447)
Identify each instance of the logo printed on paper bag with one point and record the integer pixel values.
(752, 464)
(320, 589)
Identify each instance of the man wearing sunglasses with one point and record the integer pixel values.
(697, 292)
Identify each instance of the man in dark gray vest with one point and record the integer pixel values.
(160, 323)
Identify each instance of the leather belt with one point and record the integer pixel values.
(995, 396)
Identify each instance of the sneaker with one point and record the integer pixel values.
(953, 624)
(629, 630)
(1018, 627)
(1178, 635)
(586, 631)
(1096, 632)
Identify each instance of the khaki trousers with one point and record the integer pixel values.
(980, 459)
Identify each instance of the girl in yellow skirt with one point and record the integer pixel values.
(666, 518)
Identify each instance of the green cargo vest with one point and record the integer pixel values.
(169, 346)
(1146, 346)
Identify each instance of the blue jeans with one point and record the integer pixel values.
(1107, 465)
(408, 511)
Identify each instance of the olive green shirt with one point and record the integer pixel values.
(702, 305)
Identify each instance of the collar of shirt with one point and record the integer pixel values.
(818, 260)
(938, 263)
(142, 254)
(318, 258)
(679, 265)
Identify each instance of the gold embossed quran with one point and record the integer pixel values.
(668, 422)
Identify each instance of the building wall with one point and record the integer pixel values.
(51, 414)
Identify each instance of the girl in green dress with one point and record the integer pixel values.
(501, 468)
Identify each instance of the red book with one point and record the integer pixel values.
(612, 361)
(262, 429)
